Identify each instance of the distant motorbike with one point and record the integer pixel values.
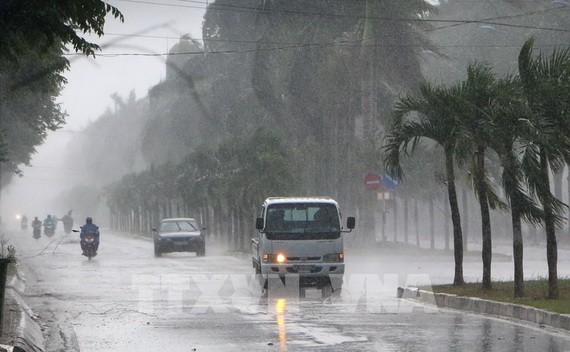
(37, 232)
(24, 225)
(89, 248)
(49, 229)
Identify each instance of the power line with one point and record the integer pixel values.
(488, 21)
(304, 45)
(286, 46)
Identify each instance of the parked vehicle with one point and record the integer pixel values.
(179, 235)
(301, 236)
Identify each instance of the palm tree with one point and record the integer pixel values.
(510, 135)
(545, 82)
(436, 120)
(477, 96)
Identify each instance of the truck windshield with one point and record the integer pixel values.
(302, 221)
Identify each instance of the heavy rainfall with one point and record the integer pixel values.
(285, 175)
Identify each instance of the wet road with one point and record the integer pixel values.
(125, 299)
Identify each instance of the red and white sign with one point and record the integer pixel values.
(372, 181)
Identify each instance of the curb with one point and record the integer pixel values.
(21, 329)
(483, 306)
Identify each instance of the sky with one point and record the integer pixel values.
(150, 27)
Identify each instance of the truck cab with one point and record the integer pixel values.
(301, 236)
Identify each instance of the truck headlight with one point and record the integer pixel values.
(279, 258)
(333, 258)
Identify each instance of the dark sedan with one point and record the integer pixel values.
(179, 235)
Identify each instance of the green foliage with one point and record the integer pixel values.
(243, 172)
(32, 26)
(32, 45)
(28, 107)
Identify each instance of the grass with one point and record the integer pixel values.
(535, 293)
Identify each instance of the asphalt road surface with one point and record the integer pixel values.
(125, 299)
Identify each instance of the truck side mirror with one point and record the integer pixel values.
(259, 223)
(350, 222)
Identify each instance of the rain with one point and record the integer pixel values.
(182, 128)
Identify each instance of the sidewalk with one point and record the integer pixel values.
(483, 306)
(21, 331)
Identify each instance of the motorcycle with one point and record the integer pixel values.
(37, 232)
(49, 229)
(89, 247)
(24, 225)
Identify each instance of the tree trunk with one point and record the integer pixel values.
(465, 218)
(446, 224)
(481, 188)
(417, 223)
(455, 219)
(431, 225)
(406, 219)
(549, 225)
(568, 202)
(395, 216)
(369, 106)
(517, 249)
(512, 191)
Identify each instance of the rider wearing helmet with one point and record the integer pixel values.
(89, 228)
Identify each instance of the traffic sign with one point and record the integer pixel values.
(372, 181)
(389, 183)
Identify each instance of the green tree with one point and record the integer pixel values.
(31, 26)
(436, 120)
(476, 122)
(545, 81)
(34, 35)
(511, 134)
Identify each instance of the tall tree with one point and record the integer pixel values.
(476, 121)
(545, 81)
(437, 120)
(31, 63)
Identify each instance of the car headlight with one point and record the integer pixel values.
(333, 258)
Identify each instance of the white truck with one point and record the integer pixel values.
(301, 238)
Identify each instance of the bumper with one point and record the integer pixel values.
(181, 244)
(308, 274)
(302, 269)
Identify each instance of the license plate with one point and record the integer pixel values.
(305, 267)
(181, 244)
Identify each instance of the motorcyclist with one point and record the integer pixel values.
(47, 222)
(54, 220)
(36, 224)
(24, 222)
(67, 222)
(89, 228)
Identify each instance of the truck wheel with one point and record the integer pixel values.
(326, 291)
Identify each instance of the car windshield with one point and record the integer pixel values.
(179, 225)
(302, 221)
